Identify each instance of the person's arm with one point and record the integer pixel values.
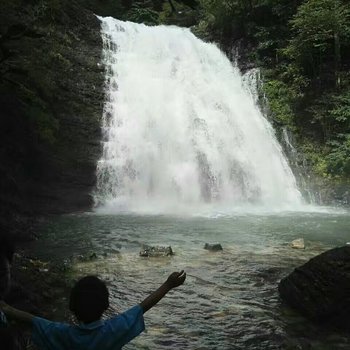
(15, 314)
(173, 281)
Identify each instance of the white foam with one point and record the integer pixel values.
(181, 133)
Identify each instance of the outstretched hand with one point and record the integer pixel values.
(176, 279)
(15, 314)
(173, 281)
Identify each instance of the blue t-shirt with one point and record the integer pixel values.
(111, 334)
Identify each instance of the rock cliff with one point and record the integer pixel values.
(51, 85)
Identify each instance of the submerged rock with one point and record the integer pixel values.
(156, 251)
(215, 247)
(320, 289)
(298, 243)
(87, 257)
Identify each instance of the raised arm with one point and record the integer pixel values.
(15, 314)
(173, 281)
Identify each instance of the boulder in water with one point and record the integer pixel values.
(298, 243)
(87, 257)
(215, 247)
(156, 251)
(320, 289)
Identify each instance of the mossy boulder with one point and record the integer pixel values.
(320, 289)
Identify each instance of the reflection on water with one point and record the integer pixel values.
(230, 298)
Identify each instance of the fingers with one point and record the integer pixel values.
(179, 274)
(181, 277)
(176, 278)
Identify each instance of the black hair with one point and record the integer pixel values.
(89, 299)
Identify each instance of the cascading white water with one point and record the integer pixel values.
(180, 131)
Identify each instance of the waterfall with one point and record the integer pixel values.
(180, 129)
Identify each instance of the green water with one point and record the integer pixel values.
(230, 298)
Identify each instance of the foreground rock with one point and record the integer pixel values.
(216, 247)
(320, 289)
(156, 251)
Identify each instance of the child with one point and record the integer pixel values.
(88, 301)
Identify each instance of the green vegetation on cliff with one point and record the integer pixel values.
(303, 48)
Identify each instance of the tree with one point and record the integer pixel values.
(321, 27)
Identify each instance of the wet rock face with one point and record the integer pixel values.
(320, 289)
(51, 104)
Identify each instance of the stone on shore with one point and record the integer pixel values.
(320, 289)
(216, 247)
(156, 251)
(298, 243)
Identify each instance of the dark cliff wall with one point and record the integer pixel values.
(51, 98)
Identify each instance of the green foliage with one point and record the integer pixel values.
(280, 98)
(341, 109)
(315, 24)
(303, 47)
(261, 21)
(329, 114)
(338, 160)
(223, 16)
(140, 14)
(315, 157)
(166, 13)
(321, 28)
(284, 91)
(183, 16)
